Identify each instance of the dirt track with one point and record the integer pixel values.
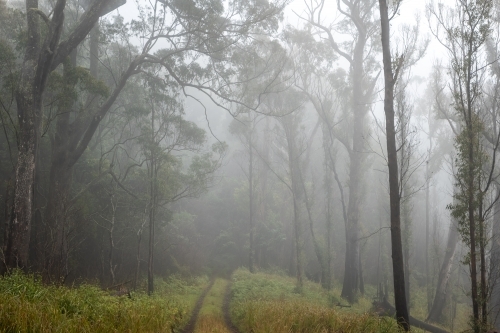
(226, 297)
(189, 328)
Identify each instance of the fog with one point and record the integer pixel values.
(188, 138)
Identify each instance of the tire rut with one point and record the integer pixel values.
(190, 326)
(225, 310)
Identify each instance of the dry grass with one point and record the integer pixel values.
(298, 316)
(211, 324)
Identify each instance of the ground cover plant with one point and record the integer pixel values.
(264, 302)
(29, 306)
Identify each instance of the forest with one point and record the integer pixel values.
(249, 166)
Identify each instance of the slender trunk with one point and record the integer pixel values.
(427, 222)
(297, 194)
(138, 259)
(444, 275)
(406, 257)
(251, 259)
(112, 242)
(298, 246)
(152, 207)
(327, 147)
(482, 255)
(392, 161)
(494, 278)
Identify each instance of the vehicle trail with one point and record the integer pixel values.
(190, 326)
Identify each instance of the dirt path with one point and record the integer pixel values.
(211, 314)
(189, 328)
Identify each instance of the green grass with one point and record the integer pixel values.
(299, 316)
(212, 305)
(29, 306)
(211, 317)
(263, 302)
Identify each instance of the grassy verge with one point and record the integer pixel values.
(210, 318)
(28, 306)
(271, 303)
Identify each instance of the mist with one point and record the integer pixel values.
(333, 154)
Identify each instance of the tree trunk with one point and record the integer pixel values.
(56, 220)
(39, 61)
(444, 275)
(352, 264)
(327, 148)
(494, 279)
(112, 241)
(392, 161)
(427, 225)
(152, 208)
(251, 254)
(29, 111)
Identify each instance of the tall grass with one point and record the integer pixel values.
(292, 316)
(28, 306)
(263, 302)
(211, 323)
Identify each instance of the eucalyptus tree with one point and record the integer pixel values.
(359, 27)
(9, 28)
(163, 137)
(465, 31)
(245, 129)
(390, 79)
(197, 42)
(438, 110)
(493, 107)
(322, 84)
(263, 57)
(408, 164)
(291, 145)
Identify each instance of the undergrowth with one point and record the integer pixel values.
(263, 302)
(29, 306)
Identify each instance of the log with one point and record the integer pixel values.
(384, 308)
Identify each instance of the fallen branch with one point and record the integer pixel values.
(384, 308)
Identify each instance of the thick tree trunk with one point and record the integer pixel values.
(392, 161)
(351, 276)
(56, 250)
(39, 61)
(29, 109)
(60, 179)
(444, 275)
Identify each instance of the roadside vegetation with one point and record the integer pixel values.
(264, 302)
(259, 302)
(29, 306)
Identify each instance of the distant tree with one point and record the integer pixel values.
(359, 24)
(323, 85)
